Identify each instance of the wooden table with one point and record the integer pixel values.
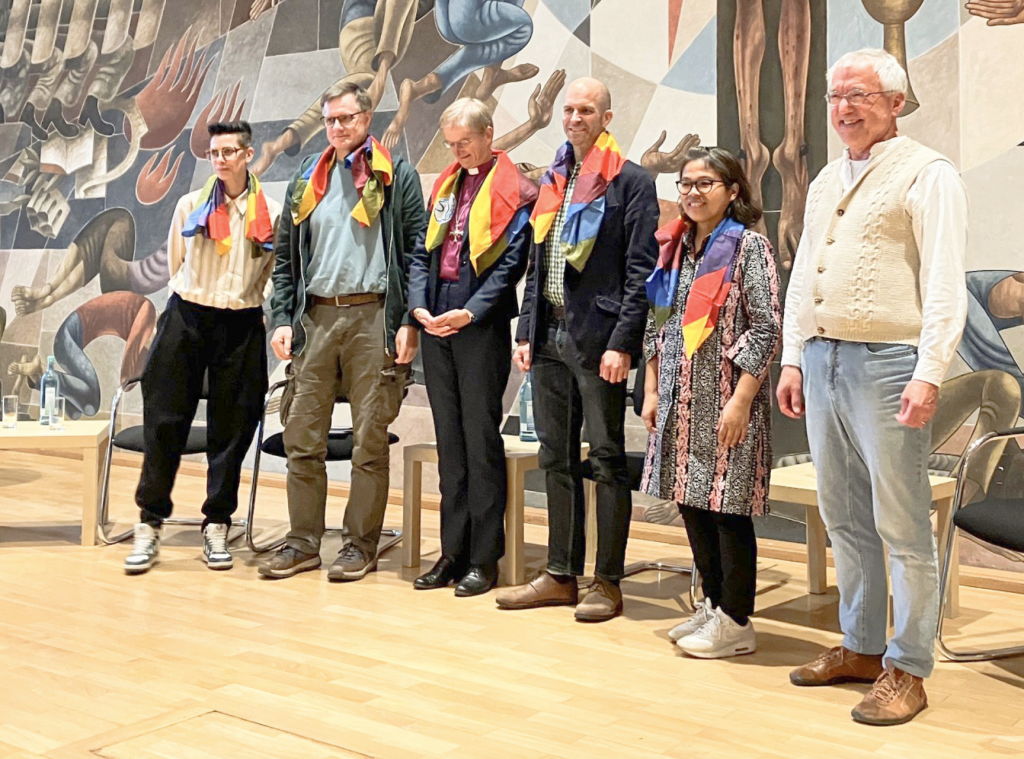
(520, 457)
(799, 484)
(88, 436)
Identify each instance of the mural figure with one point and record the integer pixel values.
(127, 315)
(995, 302)
(998, 12)
(105, 248)
(489, 32)
(893, 15)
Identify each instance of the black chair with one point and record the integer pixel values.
(997, 523)
(131, 439)
(339, 448)
(635, 470)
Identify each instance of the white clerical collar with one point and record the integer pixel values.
(474, 171)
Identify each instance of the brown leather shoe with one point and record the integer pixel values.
(839, 665)
(896, 697)
(602, 602)
(545, 590)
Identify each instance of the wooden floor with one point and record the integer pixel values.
(185, 663)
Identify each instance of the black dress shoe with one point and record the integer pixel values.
(443, 573)
(479, 579)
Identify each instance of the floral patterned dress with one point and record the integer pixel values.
(685, 462)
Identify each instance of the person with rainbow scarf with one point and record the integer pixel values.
(580, 331)
(714, 328)
(351, 218)
(220, 256)
(462, 280)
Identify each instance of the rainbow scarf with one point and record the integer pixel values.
(211, 218)
(499, 211)
(372, 171)
(711, 281)
(586, 207)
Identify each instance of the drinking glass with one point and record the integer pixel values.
(10, 411)
(57, 415)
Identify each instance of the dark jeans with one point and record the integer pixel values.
(466, 376)
(725, 552)
(191, 341)
(564, 394)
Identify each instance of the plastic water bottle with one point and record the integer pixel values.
(49, 388)
(527, 432)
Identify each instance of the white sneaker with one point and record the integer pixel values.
(719, 638)
(146, 550)
(695, 622)
(215, 547)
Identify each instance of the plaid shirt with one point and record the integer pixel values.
(554, 259)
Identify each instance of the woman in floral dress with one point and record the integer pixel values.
(714, 327)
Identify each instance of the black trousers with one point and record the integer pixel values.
(191, 341)
(466, 376)
(564, 394)
(725, 552)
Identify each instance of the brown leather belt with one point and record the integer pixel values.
(558, 312)
(343, 301)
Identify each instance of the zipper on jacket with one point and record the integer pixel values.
(387, 280)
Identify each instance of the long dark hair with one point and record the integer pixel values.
(728, 167)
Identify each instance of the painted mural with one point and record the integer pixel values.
(104, 106)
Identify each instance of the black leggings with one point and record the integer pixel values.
(725, 552)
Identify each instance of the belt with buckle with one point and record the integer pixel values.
(558, 312)
(343, 301)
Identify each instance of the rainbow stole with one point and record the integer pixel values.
(661, 285)
(499, 211)
(372, 171)
(211, 218)
(711, 283)
(586, 207)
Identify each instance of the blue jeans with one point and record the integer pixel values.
(873, 493)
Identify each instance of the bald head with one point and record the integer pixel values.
(586, 113)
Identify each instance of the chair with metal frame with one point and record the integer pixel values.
(131, 439)
(339, 448)
(995, 523)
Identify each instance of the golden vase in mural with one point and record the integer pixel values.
(893, 15)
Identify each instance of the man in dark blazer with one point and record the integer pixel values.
(580, 330)
(462, 279)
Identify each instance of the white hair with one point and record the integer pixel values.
(469, 113)
(890, 73)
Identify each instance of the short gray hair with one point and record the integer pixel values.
(890, 73)
(363, 99)
(468, 113)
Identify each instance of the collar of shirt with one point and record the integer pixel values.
(850, 170)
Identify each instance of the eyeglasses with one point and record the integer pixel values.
(461, 144)
(226, 153)
(704, 185)
(343, 121)
(855, 98)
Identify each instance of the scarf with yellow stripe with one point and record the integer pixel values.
(211, 218)
(499, 212)
(372, 171)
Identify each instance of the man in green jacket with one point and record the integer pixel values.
(350, 220)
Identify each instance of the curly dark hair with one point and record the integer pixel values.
(728, 167)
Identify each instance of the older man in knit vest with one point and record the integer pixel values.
(875, 307)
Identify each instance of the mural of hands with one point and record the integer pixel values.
(998, 12)
(542, 100)
(221, 108)
(657, 162)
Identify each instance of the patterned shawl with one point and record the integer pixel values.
(372, 170)
(211, 218)
(498, 214)
(586, 207)
(711, 281)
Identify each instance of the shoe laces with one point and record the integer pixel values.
(887, 687)
(144, 541)
(710, 629)
(350, 553)
(830, 657)
(217, 540)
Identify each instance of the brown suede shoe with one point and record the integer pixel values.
(839, 665)
(545, 590)
(288, 562)
(896, 697)
(602, 602)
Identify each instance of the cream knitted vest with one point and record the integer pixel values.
(862, 282)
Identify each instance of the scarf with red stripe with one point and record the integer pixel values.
(499, 212)
(711, 281)
(211, 218)
(586, 207)
(372, 171)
